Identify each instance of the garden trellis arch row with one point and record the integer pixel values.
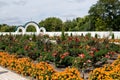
(24, 27)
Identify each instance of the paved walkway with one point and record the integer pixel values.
(9, 75)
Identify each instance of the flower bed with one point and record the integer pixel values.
(39, 71)
(29, 46)
(81, 52)
(111, 72)
(67, 74)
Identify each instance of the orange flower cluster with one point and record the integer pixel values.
(67, 74)
(108, 72)
(114, 40)
(39, 71)
(26, 67)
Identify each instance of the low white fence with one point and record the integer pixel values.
(100, 34)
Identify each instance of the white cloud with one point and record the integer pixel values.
(20, 2)
(12, 20)
(25, 10)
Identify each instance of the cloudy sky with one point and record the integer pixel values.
(17, 12)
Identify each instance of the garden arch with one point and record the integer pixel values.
(20, 28)
(42, 29)
(33, 24)
(24, 28)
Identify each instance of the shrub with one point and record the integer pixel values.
(113, 37)
(40, 48)
(88, 35)
(96, 35)
(63, 35)
(29, 46)
(93, 49)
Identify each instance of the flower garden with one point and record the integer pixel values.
(32, 56)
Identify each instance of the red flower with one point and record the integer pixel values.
(64, 55)
(81, 55)
(112, 53)
(89, 61)
(91, 53)
(77, 40)
(94, 49)
(26, 47)
(70, 38)
(54, 54)
(107, 56)
(45, 49)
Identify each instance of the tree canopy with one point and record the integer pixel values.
(31, 28)
(105, 15)
(6, 28)
(52, 24)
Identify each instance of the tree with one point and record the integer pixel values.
(69, 25)
(83, 23)
(77, 24)
(108, 13)
(52, 24)
(31, 28)
(6, 28)
(101, 25)
(10, 29)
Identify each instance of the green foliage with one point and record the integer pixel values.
(63, 35)
(113, 36)
(84, 51)
(30, 46)
(96, 35)
(78, 51)
(46, 56)
(100, 25)
(6, 28)
(52, 24)
(83, 23)
(105, 15)
(67, 61)
(78, 24)
(114, 47)
(69, 25)
(31, 28)
(101, 53)
(88, 35)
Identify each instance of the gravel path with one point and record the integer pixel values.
(6, 74)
